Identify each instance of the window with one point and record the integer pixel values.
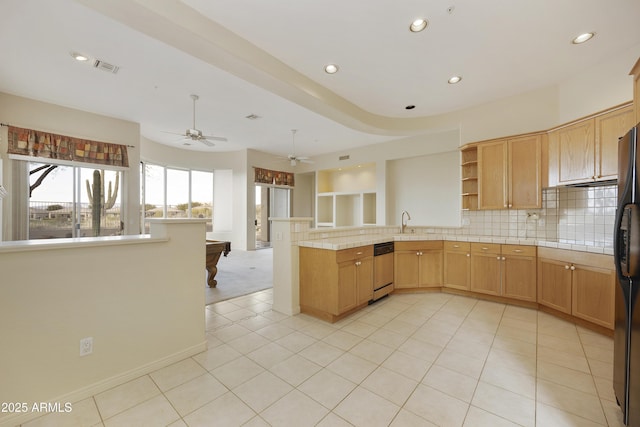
(176, 193)
(61, 201)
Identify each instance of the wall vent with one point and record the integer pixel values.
(105, 66)
(344, 157)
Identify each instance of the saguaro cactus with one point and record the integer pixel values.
(96, 202)
(100, 200)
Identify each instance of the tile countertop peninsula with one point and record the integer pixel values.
(346, 242)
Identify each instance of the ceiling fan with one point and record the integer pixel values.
(292, 157)
(194, 134)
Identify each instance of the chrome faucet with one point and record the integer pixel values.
(404, 224)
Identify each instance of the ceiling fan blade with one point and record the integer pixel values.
(206, 142)
(215, 138)
(305, 160)
(173, 133)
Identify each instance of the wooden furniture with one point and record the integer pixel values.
(214, 249)
(635, 72)
(418, 264)
(504, 270)
(509, 173)
(469, 157)
(457, 265)
(577, 283)
(333, 284)
(587, 150)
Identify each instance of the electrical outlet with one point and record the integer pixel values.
(86, 346)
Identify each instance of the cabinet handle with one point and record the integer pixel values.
(510, 205)
(498, 258)
(468, 254)
(358, 253)
(503, 258)
(517, 251)
(485, 249)
(456, 246)
(573, 267)
(566, 267)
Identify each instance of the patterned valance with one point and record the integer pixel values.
(33, 143)
(266, 176)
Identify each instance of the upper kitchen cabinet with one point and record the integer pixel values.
(509, 173)
(587, 150)
(469, 157)
(635, 72)
(346, 196)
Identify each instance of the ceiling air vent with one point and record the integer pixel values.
(344, 157)
(105, 66)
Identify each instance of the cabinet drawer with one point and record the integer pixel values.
(417, 245)
(354, 253)
(485, 248)
(457, 246)
(520, 250)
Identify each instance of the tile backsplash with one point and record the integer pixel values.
(574, 215)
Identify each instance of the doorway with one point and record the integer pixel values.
(274, 202)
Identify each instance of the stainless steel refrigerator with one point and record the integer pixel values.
(626, 351)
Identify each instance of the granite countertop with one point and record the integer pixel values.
(346, 242)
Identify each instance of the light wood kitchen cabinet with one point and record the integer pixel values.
(509, 173)
(587, 150)
(334, 283)
(504, 270)
(457, 265)
(486, 274)
(577, 283)
(635, 72)
(418, 264)
(609, 128)
(469, 157)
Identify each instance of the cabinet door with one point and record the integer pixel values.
(486, 273)
(456, 270)
(430, 268)
(594, 295)
(406, 273)
(519, 277)
(525, 178)
(364, 280)
(554, 284)
(574, 147)
(492, 175)
(609, 128)
(347, 287)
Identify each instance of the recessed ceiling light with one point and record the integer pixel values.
(331, 69)
(583, 38)
(79, 57)
(453, 80)
(418, 25)
(409, 107)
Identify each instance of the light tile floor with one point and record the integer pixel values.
(409, 360)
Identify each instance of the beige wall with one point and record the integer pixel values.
(142, 302)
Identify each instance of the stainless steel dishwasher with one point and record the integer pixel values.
(382, 270)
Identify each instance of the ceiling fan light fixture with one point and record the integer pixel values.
(418, 25)
(583, 38)
(331, 69)
(79, 56)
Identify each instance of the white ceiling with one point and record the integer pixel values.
(267, 57)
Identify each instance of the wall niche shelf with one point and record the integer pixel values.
(469, 160)
(346, 196)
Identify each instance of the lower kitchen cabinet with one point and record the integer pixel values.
(504, 270)
(577, 283)
(333, 283)
(457, 265)
(418, 264)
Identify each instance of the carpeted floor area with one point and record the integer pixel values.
(241, 273)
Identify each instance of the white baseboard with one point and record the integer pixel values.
(108, 383)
